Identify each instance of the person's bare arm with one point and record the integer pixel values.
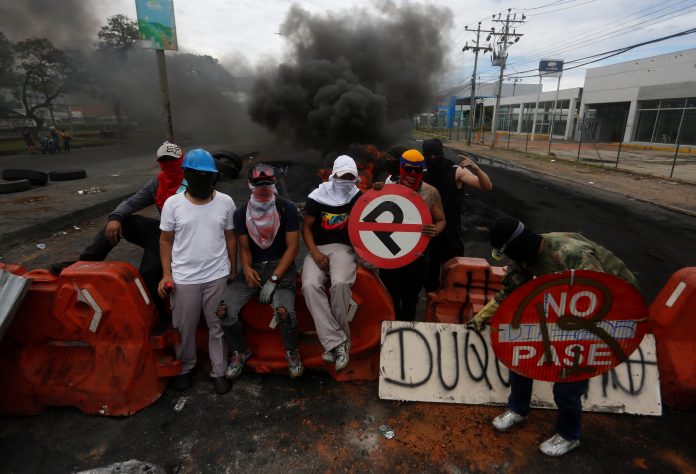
(231, 243)
(470, 174)
(438, 214)
(320, 259)
(166, 244)
(250, 275)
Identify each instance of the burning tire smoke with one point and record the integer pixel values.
(355, 76)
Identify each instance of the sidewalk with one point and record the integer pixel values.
(672, 194)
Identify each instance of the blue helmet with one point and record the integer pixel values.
(200, 160)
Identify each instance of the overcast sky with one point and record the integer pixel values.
(555, 29)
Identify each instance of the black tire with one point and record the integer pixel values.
(7, 187)
(229, 156)
(38, 178)
(67, 175)
(227, 168)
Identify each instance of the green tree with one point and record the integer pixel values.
(43, 73)
(6, 60)
(118, 36)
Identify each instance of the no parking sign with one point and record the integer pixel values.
(569, 326)
(385, 226)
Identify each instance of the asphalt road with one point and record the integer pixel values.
(270, 423)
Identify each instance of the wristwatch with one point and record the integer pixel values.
(274, 278)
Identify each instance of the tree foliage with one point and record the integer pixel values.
(6, 60)
(119, 34)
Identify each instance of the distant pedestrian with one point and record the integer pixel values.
(449, 179)
(28, 139)
(54, 138)
(66, 139)
(533, 255)
(198, 250)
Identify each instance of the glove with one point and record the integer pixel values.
(267, 292)
(480, 319)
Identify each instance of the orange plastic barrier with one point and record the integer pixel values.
(467, 285)
(85, 339)
(372, 306)
(673, 319)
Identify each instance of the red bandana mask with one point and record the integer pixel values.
(410, 179)
(169, 179)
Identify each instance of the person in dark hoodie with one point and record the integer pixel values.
(449, 179)
(140, 230)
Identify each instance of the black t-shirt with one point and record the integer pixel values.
(289, 221)
(331, 222)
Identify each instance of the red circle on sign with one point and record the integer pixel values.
(413, 223)
(569, 326)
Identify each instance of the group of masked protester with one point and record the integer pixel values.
(190, 258)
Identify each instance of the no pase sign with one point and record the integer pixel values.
(569, 326)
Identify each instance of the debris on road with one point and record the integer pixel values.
(76, 227)
(387, 431)
(180, 402)
(57, 234)
(132, 466)
(41, 246)
(92, 190)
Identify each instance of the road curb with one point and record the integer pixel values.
(32, 231)
(680, 210)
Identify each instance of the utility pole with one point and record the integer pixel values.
(472, 104)
(503, 40)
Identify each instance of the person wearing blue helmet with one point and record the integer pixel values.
(198, 250)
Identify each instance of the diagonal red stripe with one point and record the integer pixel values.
(388, 227)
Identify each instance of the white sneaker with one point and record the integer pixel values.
(341, 356)
(507, 420)
(328, 357)
(557, 445)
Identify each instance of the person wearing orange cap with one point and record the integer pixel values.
(404, 284)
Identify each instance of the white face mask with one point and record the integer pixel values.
(344, 186)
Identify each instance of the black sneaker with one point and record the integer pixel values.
(56, 268)
(182, 382)
(222, 385)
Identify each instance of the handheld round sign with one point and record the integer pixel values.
(569, 326)
(385, 226)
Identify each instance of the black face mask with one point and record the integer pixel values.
(200, 184)
(435, 165)
(392, 167)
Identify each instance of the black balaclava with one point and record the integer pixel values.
(391, 164)
(510, 237)
(200, 183)
(434, 156)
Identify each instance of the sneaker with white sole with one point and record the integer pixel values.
(342, 356)
(507, 420)
(557, 445)
(295, 367)
(237, 364)
(329, 357)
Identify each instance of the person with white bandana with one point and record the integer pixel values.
(268, 232)
(331, 256)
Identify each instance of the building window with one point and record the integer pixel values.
(666, 120)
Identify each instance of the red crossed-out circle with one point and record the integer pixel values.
(569, 326)
(412, 223)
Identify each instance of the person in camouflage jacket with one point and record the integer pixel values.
(533, 255)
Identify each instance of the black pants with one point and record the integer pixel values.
(404, 285)
(143, 232)
(441, 249)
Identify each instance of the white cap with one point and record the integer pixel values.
(169, 150)
(344, 164)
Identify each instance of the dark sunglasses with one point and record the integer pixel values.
(413, 169)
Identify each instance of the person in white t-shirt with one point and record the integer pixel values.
(198, 249)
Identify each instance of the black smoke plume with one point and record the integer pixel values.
(355, 76)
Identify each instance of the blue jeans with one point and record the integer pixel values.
(566, 395)
(237, 294)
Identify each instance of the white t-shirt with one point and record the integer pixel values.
(199, 254)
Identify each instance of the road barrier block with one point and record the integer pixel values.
(467, 285)
(370, 305)
(673, 319)
(85, 339)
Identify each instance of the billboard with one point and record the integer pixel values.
(156, 24)
(551, 67)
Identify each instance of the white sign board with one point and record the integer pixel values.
(450, 363)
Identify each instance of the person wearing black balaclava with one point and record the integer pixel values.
(533, 255)
(449, 179)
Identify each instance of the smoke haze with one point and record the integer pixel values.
(355, 76)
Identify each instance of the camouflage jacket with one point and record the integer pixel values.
(563, 251)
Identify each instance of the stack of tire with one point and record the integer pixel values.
(228, 163)
(16, 180)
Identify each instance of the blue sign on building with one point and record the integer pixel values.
(551, 67)
(451, 111)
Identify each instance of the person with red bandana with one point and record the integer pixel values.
(331, 257)
(140, 230)
(404, 283)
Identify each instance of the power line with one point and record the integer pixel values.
(564, 8)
